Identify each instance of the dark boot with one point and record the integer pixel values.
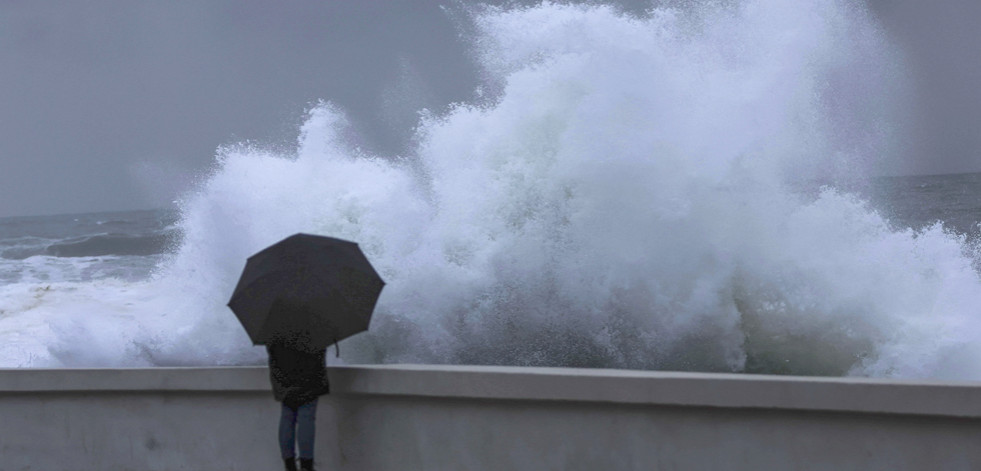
(290, 464)
(306, 464)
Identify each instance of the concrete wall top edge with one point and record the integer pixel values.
(538, 384)
(605, 372)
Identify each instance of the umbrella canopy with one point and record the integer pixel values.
(306, 289)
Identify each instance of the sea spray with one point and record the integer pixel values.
(625, 196)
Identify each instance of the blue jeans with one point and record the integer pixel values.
(298, 427)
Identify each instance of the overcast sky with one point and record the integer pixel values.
(108, 105)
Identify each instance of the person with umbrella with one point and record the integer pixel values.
(297, 297)
(298, 374)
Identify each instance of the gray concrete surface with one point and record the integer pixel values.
(425, 417)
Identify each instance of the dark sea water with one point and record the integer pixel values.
(920, 201)
(83, 247)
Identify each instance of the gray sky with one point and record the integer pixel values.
(108, 104)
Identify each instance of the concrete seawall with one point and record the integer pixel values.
(424, 417)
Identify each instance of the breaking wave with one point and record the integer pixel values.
(625, 194)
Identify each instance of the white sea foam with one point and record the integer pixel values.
(624, 199)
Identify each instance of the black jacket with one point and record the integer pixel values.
(297, 376)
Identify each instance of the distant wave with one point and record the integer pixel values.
(112, 244)
(94, 246)
(115, 222)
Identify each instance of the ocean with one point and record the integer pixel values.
(125, 245)
(691, 190)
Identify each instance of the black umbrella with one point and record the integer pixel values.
(306, 289)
